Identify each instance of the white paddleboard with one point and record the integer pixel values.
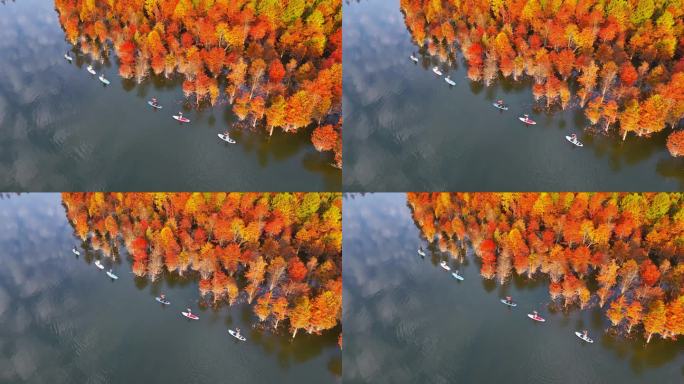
(75, 252)
(501, 107)
(576, 142)
(226, 138)
(112, 276)
(509, 304)
(581, 336)
(539, 318)
(437, 71)
(153, 105)
(190, 316)
(103, 80)
(181, 119)
(449, 81)
(421, 253)
(457, 276)
(527, 121)
(165, 302)
(444, 265)
(98, 264)
(235, 335)
(91, 70)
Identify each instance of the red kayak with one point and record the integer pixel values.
(190, 316)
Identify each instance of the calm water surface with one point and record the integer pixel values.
(62, 130)
(406, 320)
(400, 116)
(64, 321)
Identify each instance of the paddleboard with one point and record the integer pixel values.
(421, 253)
(98, 264)
(165, 302)
(436, 71)
(91, 70)
(235, 335)
(444, 265)
(69, 58)
(501, 107)
(113, 276)
(449, 81)
(581, 336)
(181, 119)
(509, 304)
(226, 138)
(153, 105)
(527, 121)
(190, 316)
(539, 319)
(103, 80)
(75, 252)
(576, 142)
(413, 58)
(457, 276)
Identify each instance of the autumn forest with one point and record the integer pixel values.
(280, 253)
(621, 252)
(620, 61)
(278, 64)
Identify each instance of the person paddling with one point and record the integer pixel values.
(154, 101)
(585, 333)
(509, 300)
(499, 103)
(574, 137)
(163, 297)
(536, 314)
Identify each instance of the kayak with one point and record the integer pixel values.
(153, 105)
(235, 335)
(444, 265)
(103, 80)
(69, 58)
(421, 253)
(527, 121)
(98, 264)
(113, 276)
(457, 276)
(538, 318)
(436, 71)
(576, 142)
(449, 81)
(414, 59)
(581, 336)
(226, 138)
(190, 316)
(501, 107)
(181, 119)
(165, 302)
(509, 304)
(77, 253)
(91, 70)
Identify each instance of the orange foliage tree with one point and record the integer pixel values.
(628, 245)
(240, 246)
(266, 54)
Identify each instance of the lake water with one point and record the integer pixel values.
(406, 320)
(64, 321)
(62, 130)
(402, 118)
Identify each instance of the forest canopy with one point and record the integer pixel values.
(621, 252)
(280, 252)
(621, 61)
(278, 63)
